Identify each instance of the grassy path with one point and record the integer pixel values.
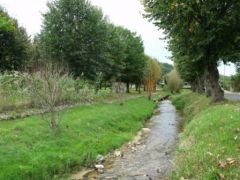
(30, 150)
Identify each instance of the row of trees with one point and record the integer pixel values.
(76, 35)
(200, 34)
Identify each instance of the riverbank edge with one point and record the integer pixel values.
(211, 137)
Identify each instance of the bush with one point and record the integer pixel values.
(15, 96)
(47, 89)
(13, 91)
(174, 82)
(179, 103)
(235, 80)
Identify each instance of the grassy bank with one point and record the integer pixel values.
(209, 147)
(30, 150)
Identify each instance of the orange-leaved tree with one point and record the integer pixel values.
(152, 75)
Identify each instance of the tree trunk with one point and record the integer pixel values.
(127, 85)
(121, 91)
(207, 85)
(213, 78)
(53, 120)
(150, 95)
(193, 86)
(200, 85)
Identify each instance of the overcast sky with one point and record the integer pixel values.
(127, 13)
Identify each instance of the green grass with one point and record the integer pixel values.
(211, 135)
(30, 150)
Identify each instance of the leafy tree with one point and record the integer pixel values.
(116, 52)
(133, 72)
(126, 56)
(75, 33)
(190, 71)
(206, 31)
(14, 44)
(152, 75)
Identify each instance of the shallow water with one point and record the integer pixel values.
(151, 160)
(151, 157)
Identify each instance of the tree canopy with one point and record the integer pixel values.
(201, 33)
(77, 34)
(14, 43)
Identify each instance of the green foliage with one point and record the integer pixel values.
(74, 32)
(135, 58)
(77, 33)
(116, 52)
(174, 82)
(6, 24)
(178, 102)
(152, 70)
(13, 91)
(30, 150)
(166, 68)
(14, 49)
(210, 137)
(200, 33)
(235, 81)
(225, 82)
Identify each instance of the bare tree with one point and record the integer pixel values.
(46, 89)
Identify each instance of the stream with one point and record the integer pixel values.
(148, 157)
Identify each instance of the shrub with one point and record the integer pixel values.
(46, 88)
(235, 80)
(179, 103)
(174, 82)
(13, 91)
